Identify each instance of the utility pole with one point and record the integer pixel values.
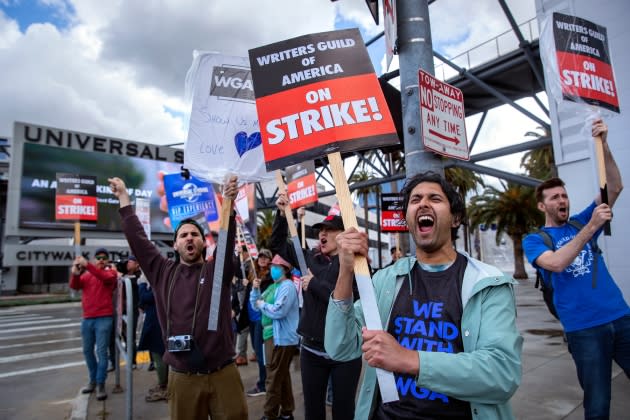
(415, 51)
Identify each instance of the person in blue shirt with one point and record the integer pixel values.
(284, 312)
(590, 306)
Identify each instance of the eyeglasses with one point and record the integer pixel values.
(101, 257)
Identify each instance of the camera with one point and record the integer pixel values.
(121, 266)
(177, 343)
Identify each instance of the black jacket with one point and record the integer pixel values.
(325, 271)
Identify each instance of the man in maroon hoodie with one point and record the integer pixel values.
(203, 379)
(97, 281)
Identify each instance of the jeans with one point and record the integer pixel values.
(96, 331)
(315, 373)
(255, 333)
(593, 350)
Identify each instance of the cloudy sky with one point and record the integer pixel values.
(117, 67)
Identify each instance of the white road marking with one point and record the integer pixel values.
(40, 369)
(44, 321)
(41, 334)
(37, 343)
(31, 356)
(44, 327)
(22, 317)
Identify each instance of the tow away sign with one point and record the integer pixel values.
(443, 118)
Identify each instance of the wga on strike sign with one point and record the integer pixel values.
(392, 218)
(301, 184)
(443, 118)
(584, 61)
(75, 198)
(318, 94)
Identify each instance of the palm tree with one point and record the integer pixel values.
(514, 211)
(364, 192)
(264, 225)
(464, 181)
(539, 163)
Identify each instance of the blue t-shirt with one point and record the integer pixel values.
(579, 305)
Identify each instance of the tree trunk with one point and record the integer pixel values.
(519, 261)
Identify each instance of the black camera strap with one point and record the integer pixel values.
(168, 299)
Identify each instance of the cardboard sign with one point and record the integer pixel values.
(443, 117)
(392, 218)
(75, 197)
(318, 94)
(301, 184)
(189, 197)
(223, 137)
(584, 65)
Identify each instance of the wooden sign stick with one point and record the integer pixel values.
(603, 183)
(386, 380)
(303, 230)
(242, 241)
(77, 238)
(219, 263)
(292, 229)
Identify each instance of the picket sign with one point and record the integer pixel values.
(292, 229)
(219, 263)
(242, 241)
(603, 182)
(386, 381)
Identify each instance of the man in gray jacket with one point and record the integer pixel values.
(449, 333)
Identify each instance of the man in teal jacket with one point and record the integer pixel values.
(449, 333)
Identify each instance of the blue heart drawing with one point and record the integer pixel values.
(244, 143)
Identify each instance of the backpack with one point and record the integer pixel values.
(543, 277)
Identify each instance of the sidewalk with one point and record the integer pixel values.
(549, 388)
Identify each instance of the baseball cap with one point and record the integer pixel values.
(278, 260)
(101, 251)
(264, 252)
(330, 222)
(132, 258)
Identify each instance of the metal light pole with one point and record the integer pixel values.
(415, 52)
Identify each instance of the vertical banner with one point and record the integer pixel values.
(188, 198)
(143, 211)
(301, 184)
(392, 218)
(75, 198)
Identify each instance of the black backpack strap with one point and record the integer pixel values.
(541, 272)
(594, 247)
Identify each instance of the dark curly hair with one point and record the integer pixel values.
(458, 209)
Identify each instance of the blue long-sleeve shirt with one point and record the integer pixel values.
(284, 312)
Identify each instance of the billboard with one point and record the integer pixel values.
(40, 152)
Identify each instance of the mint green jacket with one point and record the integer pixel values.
(486, 373)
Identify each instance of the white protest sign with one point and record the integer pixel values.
(223, 136)
(443, 117)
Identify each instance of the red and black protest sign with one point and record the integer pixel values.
(317, 94)
(392, 218)
(75, 198)
(584, 65)
(301, 184)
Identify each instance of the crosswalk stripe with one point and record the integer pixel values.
(43, 327)
(43, 321)
(31, 356)
(40, 369)
(38, 343)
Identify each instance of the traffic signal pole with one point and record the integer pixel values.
(415, 51)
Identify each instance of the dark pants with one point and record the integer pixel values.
(255, 333)
(593, 350)
(279, 399)
(315, 373)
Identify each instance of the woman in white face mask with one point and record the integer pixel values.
(284, 313)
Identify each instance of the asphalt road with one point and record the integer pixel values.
(40, 360)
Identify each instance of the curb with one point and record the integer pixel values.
(80, 406)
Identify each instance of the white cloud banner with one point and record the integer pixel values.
(223, 136)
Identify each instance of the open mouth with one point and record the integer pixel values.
(425, 223)
(190, 248)
(323, 241)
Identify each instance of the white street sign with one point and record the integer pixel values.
(443, 118)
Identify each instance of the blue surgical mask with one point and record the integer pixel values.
(276, 272)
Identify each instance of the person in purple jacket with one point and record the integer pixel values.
(203, 379)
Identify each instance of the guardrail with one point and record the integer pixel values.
(496, 47)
